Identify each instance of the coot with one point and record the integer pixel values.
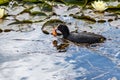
(82, 37)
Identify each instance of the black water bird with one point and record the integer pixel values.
(83, 37)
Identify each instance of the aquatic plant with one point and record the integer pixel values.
(2, 12)
(99, 5)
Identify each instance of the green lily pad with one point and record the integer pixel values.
(114, 9)
(38, 13)
(31, 0)
(8, 30)
(3, 1)
(15, 10)
(29, 5)
(33, 17)
(20, 22)
(62, 9)
(50, 24)
(115, 24)
(23, 26)
(93, 16)
(1, 30)
(39, 10)
(76, 2)
(82, 17)
(45, 7)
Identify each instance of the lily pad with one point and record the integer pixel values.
(65, 10)
(93, 16)
(8, 30)
(33, 17)
(45, 7)
(31, 0)
(38, 13)
(114, 9)
(82, 17)
(20, 22)
(20, 26)
(35, 9)
(50, 24)
(115, 24)
(1, 30)
(41, 7)
(15, 10)
(4, 24)
(29, 5)
(24, 16)
(113, 4)
(76, 2)
(3, 1)
(60, 9)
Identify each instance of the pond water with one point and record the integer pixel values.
(26, 53)
(32, 56)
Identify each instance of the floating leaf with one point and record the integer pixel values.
(77, 2)
(114, 9)
(115, 23)
(53, 22)
(1, 30)
(102, 21)
(23, 17)
(93, 16)
(4, 1)
(45, 7)
(84, 18)
(20, 26)
(38, 13)
(48, 26)
(31, 0)
(31, 17)
(8, 30)
(28, 5)
(15, 11)
(58, 1)
(20, 22)
(72, 7)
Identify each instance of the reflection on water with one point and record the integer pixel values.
(61, 47)
(34, 55)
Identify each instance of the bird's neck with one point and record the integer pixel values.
(65, 34)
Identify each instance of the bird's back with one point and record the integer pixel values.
(85, 37)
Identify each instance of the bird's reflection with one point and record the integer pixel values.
(61, 47)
